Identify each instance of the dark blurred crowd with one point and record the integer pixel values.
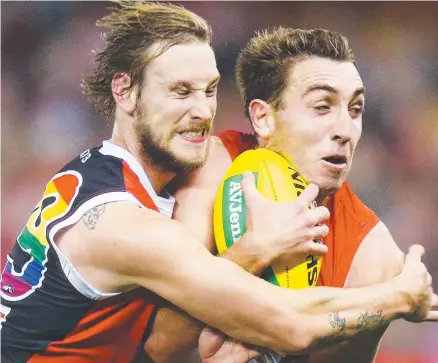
(46, 121)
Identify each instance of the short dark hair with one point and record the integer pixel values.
(133, 27)
(264, 64)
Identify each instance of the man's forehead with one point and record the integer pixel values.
(340, 75)
(189, 62)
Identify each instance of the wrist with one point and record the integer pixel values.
(402, 297)
(248, 254)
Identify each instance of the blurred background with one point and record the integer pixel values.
(46, 121)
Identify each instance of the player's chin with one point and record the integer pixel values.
(329, 185)
(191, 159)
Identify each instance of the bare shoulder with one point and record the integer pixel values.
(106, 241)
(378, 259)
(195, 193)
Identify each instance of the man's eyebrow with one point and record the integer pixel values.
(328, 88)
(320, 87)
(179, 84)
(188, 85)
(359, 91)
(215, 81)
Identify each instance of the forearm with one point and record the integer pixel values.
(323, 317)
(379, 250)
(174, 332)
(298, 322)
(289, 321)
(221, 294)
(356, 314)
(338, 318)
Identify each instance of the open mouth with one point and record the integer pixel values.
(337, 160)
(194, 135)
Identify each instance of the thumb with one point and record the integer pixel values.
(249, 186)
(210, 341)
(414, 254)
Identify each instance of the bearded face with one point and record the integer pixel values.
(176, 107)
(173, 150)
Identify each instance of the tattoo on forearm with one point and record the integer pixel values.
(369, 320)
(338, 323)
(90, 218)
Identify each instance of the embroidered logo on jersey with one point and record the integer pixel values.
(25, 268)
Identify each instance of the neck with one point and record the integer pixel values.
(158, 177)
(322, 201)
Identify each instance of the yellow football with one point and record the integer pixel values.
(277, 180)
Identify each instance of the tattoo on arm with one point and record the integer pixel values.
(371, 321)
(366, 322)
(90, 218)
(339, 324)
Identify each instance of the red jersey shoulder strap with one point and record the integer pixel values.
(236, 142)
(350, 221)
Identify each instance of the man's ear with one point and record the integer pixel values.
(262, 120)
(124, 97)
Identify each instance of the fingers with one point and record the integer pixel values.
(315, 249)
(318, 232)
(415, 253)
(210, 341)
(318, 215)
(308, 195)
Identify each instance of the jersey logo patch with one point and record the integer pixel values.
(25, 267)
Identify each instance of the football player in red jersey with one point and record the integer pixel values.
(305, 99)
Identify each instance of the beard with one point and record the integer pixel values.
(161, 156)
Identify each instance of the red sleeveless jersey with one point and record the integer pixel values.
(350, 220)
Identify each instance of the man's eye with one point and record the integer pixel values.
(183, 92)
(322, 107)
(211, 91)
(357, 110)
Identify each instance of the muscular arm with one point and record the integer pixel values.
(174, 333)
(166, 342)
(152, 251)
(379, 251)
(131, 247)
